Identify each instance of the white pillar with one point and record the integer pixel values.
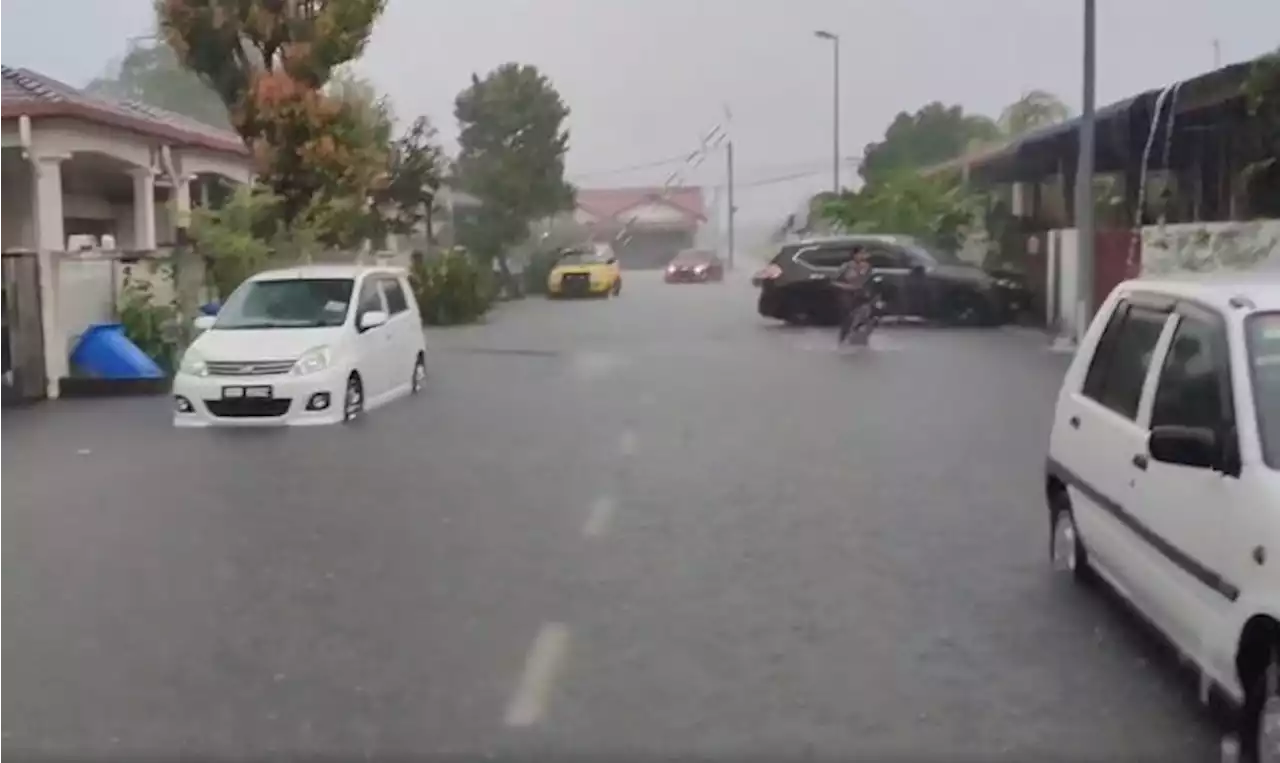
(182, 203)
(51, 243)
(144, 209)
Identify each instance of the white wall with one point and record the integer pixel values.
(1209, 247)
(1063, 281)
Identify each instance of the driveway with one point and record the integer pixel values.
(653, 524)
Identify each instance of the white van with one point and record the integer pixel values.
(310, 345)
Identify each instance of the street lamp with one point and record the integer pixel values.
(1085, 224)
(835, 106)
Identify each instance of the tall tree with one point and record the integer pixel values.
(1035, 109)
(373, 108)
(150, 72)
(933, 134)
(269, 60)
(415, 170)
(512, 147)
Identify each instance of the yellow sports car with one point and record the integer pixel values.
(590, 271)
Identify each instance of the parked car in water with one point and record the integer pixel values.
(311, 345)
(586, 271)
(1163, 476)
(694, 266)
(917, 281)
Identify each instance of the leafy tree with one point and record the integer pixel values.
(246, 235)
(934, 134)
(375, 110)
(151, 73)
(269, 60)
(513, 143)
(937, 209)
(1035, 109)
(1262, 96)
(415, 169)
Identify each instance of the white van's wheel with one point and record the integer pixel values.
(353, 399)
(419, 375)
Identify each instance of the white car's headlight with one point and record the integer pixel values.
(193, 365)
(313, 360)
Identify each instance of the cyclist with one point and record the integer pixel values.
(856, 301)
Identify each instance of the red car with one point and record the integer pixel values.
(694, 266)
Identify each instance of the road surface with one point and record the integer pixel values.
(654, 524)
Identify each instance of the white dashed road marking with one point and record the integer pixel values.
(597, 523)
(528, 704)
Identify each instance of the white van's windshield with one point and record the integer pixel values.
(291, 303)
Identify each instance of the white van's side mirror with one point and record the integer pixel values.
(372, 320)
(204, 322)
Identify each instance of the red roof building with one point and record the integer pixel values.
(646, 226)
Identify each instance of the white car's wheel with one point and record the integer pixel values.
(353, 398)
(419, 375)
(1066, 551)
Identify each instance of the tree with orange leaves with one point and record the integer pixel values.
(269, 60)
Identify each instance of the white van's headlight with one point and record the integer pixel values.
(193, 365)
(312, 361)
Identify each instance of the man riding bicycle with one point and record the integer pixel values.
(856, 299)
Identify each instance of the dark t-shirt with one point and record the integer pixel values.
(851, 278)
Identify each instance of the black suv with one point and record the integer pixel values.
(915, 280)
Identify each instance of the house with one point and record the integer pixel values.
(647, 226)
(82, 167)
(1175, 190)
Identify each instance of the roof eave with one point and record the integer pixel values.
(15, 108)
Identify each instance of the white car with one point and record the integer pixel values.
(317, 344)
(1163, 476)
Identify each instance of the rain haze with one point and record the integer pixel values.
(521, 389)
(645, 80)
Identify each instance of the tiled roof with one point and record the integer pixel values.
(611, 202)
(32, 94)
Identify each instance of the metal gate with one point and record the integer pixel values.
(24, 378)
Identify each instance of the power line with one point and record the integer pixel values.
(782, 178)
(632, 167)
(686, 158)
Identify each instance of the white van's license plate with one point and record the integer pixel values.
(259, 392)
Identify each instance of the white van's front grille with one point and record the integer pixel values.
(249, 367)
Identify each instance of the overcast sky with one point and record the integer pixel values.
(645, 78)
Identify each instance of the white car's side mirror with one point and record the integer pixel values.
(204, 322)
(372, 320)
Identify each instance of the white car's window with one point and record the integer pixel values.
(1263, 332)
(1190, 391)
(291, 303)
(394, 295)
(1122, 359)
(370, 298)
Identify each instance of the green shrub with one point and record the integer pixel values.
(452, 288)
(151, 325)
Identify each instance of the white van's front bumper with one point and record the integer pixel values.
(206, 401)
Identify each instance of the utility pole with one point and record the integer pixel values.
(1217, 53)
(1084, 176)
(835, 107)
(728, 151)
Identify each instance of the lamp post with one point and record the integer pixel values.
(835, 106)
